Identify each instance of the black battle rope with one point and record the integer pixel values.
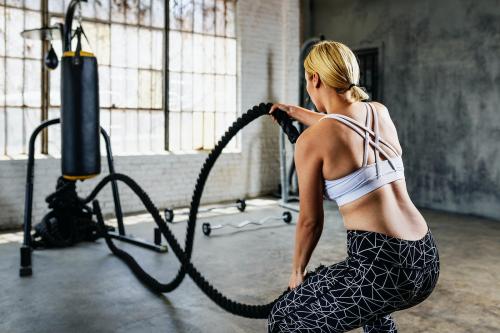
(244, 310)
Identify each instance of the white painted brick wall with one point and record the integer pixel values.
(268, 45)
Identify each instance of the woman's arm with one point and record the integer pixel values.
(309, 164)
(305, 116)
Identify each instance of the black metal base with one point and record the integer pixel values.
(26, 249)
(25, 269)
(139, 242)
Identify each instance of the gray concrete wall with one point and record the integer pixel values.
(268, 50)
(441, 84)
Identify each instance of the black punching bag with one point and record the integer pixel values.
(80, 156)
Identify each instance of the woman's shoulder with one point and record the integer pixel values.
(381, 108)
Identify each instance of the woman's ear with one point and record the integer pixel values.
(316, 80)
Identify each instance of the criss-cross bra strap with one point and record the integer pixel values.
(357, 130)
(364, 128)
(367, 139)
(377, 138)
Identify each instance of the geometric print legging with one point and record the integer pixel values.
(380, 275)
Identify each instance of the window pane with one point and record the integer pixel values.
(198, 54)
(187, 92)
(15, 3)
(132, 12)
(220, 125)
(102, 47)
(220, 19)
(2, 88)
(132, 78)
(230, 18)
(104, 87)
(118, 44)
(105, 122)
(144, 126)
(174, 92)
(56, 6)
(118, 131)
(209, 56)
(230, 118)
(208, 92)
(197, 130)
(2, 32)
(187, 52)
(132, 49)
(102, 9)
(55, 87)
(220, 87)
(187, 15)
(187, 131)
(118, 11)
(198, 100)
(15, 131)
(54, 134)
(3, 132)
(32, 48)
(14, 26)
(32, 4)
(230, 56)
(144, 48)
(208, 130)
(174, 130)
(158, 131)
(145, 12)
(157, 50)
(157, 90)
(174, 53)
(14, 88)
(209, 17)
(32, 118)
(198, 16)
(175, 19)
(32, 86)
(158, 13)
(144, 89)
(131, 134)
(220, 57)
(230, 94)
(118, 86)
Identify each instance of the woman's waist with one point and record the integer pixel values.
(379, 248)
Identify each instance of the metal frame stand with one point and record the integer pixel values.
(304, 102)
(285, 196)
(26, 248)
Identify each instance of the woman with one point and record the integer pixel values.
(352, 155)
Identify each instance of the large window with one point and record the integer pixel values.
(202, 72)
(128, 38)
(20, 76)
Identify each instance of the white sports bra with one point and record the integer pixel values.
(369, 177)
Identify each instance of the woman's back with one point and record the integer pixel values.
(388, 209)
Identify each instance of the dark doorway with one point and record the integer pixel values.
(369, 71)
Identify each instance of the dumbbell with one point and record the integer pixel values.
(207, 227)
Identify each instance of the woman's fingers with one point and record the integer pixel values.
(277, 106)
(273, 108)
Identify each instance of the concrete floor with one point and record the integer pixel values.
(87, 289)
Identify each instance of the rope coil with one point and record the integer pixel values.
(184, 256)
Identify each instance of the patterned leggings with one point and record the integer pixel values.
(380, 275)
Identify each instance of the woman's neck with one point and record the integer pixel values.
(334, 103)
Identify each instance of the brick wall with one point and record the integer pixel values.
(268, 47)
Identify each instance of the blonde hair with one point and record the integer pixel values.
(337, 67)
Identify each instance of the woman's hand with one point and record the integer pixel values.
(295, 279)
(284, 107)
